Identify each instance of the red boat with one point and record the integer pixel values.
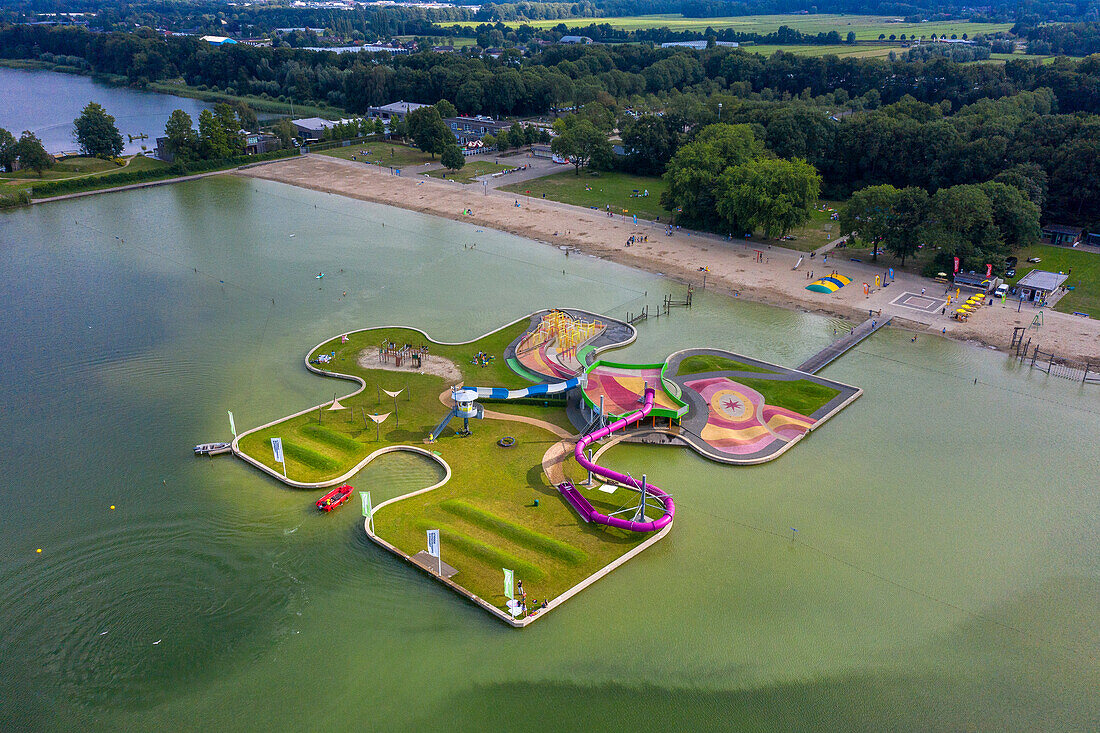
(335, 498)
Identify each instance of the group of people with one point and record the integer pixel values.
(635, 238)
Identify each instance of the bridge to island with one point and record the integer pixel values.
(838, 348)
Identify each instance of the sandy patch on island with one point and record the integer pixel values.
(431, 364)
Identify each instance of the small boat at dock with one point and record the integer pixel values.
(211, 449)
(335, 498)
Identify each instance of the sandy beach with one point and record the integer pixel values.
(759, 272)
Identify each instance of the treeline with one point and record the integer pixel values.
(911, 143)
(558, 76)
(1071, 39)
(494, 34)
(1053, 158)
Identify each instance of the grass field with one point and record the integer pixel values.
(699, 363)
(382, 153)
(866, 27)
(818, 231)
(1084, 279)
(486, 513)
(598, 189)
(77, 167)
(468, 172)
(802, 395)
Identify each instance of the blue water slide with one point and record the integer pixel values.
(535, 390)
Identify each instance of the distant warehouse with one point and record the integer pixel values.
(699, 45)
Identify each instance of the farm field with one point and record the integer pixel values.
(866, 27)
(843, 51)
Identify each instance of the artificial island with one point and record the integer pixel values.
(519, 421)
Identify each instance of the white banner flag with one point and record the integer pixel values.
(509, 583)
(367, 509)
(232, 425)
(433, 542)
(277, 449)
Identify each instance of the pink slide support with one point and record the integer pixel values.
(622, 478)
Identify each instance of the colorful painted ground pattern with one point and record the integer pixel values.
(740, 422)
(622, 389)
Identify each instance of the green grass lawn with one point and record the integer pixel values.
(488, 521)
(486, 513)
(1085, 278)
(64, 168)
(598, 189)
(818, 231)
(382, 153)
(699, 363)
(801, 396)
(469, 172)
(77, 167)
(866, 27)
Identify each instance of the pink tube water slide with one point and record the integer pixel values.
(581, 504)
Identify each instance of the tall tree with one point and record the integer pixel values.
(770, 194)
(649, 144)
(428, 130)
(581, 143)
(868, 214)
(96, 133)
(907, 228)
(31, 154)
(452, 157)
(183, 142)
(286, 132)
(1015, 215)
(963, 226)
(694, 170)
(445, 109)
(7, 149)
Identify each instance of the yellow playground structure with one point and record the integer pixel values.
(568, 331)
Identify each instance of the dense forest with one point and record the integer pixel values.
(931, 124)
(1073, 39)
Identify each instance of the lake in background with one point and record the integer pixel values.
(46, 103)
(945, 576)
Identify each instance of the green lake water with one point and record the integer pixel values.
(944, 574)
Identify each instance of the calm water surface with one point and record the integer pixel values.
(46, 103)
(945, 574)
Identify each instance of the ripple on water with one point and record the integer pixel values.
(118, 612)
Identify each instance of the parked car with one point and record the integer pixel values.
(1010, 272)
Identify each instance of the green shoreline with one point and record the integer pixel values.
(258, 104)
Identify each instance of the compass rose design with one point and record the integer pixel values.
(730, 403)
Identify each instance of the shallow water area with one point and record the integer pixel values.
(926, 559)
